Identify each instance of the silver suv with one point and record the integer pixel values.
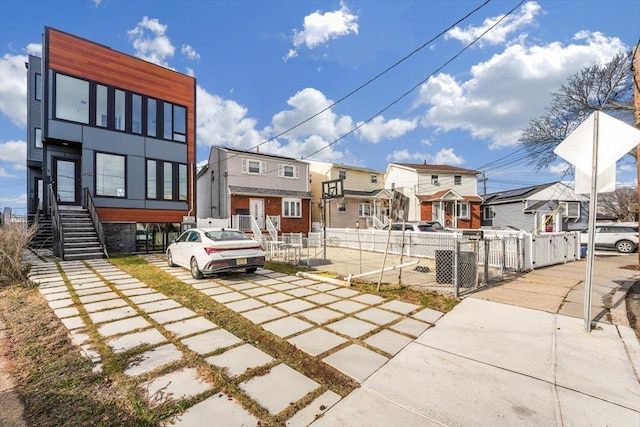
(620, 236)
(424, 226)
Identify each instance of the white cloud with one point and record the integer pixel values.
(16, 199)
(13, 151)
(13, 88)
(498, 35)
(627, 168)
(191, 72)
(559, 169)
(445, 156)
(189, 52)
(97, 2)
(5, 174)
(377, 129)
(511, 88)
(150, 41)
(34, 49)
(319, 28)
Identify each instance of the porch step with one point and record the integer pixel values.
(80, 238)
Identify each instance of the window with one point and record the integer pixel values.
(39, 193)
(136, 114)
(457, 180)
(168, 120)
(254, 167)
(374, 179)
(488, 212)
(182, 182)
(110, 175)
(38, 88)
(288, 171)
(462, 210)
(179, 123)
(38, 138)
(292, 208)
(152, 179)
(102, 103)
(72, 99)
(120, 110)
(342, 174)
(434, 180)
(167, 181)
(342, 207)
(152, 117)
(364, 210)
(571, 210)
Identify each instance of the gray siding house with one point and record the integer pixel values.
(550, 207)
(236, 182)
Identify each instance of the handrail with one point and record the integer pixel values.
(271, 228)
(95, 218)
(255, 228)
(55, 214)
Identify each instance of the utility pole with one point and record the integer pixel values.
(484, 183)
(635, 69)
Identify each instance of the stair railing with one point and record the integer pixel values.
(57, 224)
(95, 218)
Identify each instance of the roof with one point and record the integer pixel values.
(517, 194)
(367, 194)
(268, 192)
(348, 167)
(256, 153)
(440, 195)
(423, 167)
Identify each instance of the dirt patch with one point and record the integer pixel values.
(635, 267)
(633, 308)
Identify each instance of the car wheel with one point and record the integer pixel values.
(251, 269)
(170, 260)
(195, 271)
(625, 246)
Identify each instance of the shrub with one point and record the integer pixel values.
(14, 239)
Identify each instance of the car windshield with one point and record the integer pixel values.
(225, 235)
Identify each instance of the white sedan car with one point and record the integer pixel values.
(207, 251)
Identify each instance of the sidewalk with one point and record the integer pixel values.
(515, 354)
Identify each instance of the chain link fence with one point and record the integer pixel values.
(443, 262)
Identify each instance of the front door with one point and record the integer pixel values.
(256, 207)
(66, 181)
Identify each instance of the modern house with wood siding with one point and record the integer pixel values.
(113, 136)
(447, 194)
(271, 189)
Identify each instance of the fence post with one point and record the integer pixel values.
(487, 244)
(456, 287)
(504, 257)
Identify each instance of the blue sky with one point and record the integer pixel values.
(264, 66)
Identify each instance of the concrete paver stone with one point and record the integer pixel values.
(275, 298)
(317, 341)
(104, 305)
(291, 385)
(153, 359)
(351, 327)
(225, 411)
(261, 290)
(301, 292)
(368, 299)
(322, 287)
(287, 326)
(244, 305)
(283, 286)
(174, 386)
(228, 297)
(356, 361)
(322, 298)
(60, 303)
(142, 299)
(200, 285)
(66, 312)
(243, 286)
(215, 290)
(388, 341)
(57, 296)
(410, 327)
(347, 306)
(172, 315)
(185, 327)
(130, 341)
(54, 289)
(88, 291)
(319, 406)
(240, 359)
(72, 323)
(321, 315)
(344, 293)
(267, 282)
(428, 315)
(138, 291)
(121, 326)
(263, 314)
(399, 306)
(87, 299)
(295, 306)
(377, 316)
(113, 314)
(150, 307)
(211, 341)
(305, 282)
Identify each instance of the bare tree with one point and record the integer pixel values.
(604, 87)
(622, 203)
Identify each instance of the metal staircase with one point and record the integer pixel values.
(79, 236)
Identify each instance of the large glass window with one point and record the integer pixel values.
(288, 171)
(167, 181)
(38, 138)
(110, 175)
(72, 99)
(120, 110)
(462, 210)
(168, 120)
(179, 123)
(152, 117)
(182, 182)
(102, 106)
(292, 208)
(254, 167)
(364, 210)
(38, 88)
(136, 113)
(152, 179)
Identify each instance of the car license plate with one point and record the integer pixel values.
(241, 261)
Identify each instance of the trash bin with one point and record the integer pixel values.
(583, 251)
(444, 266)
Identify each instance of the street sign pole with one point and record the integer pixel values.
(593, 204)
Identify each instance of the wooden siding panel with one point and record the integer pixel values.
(140, 215)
